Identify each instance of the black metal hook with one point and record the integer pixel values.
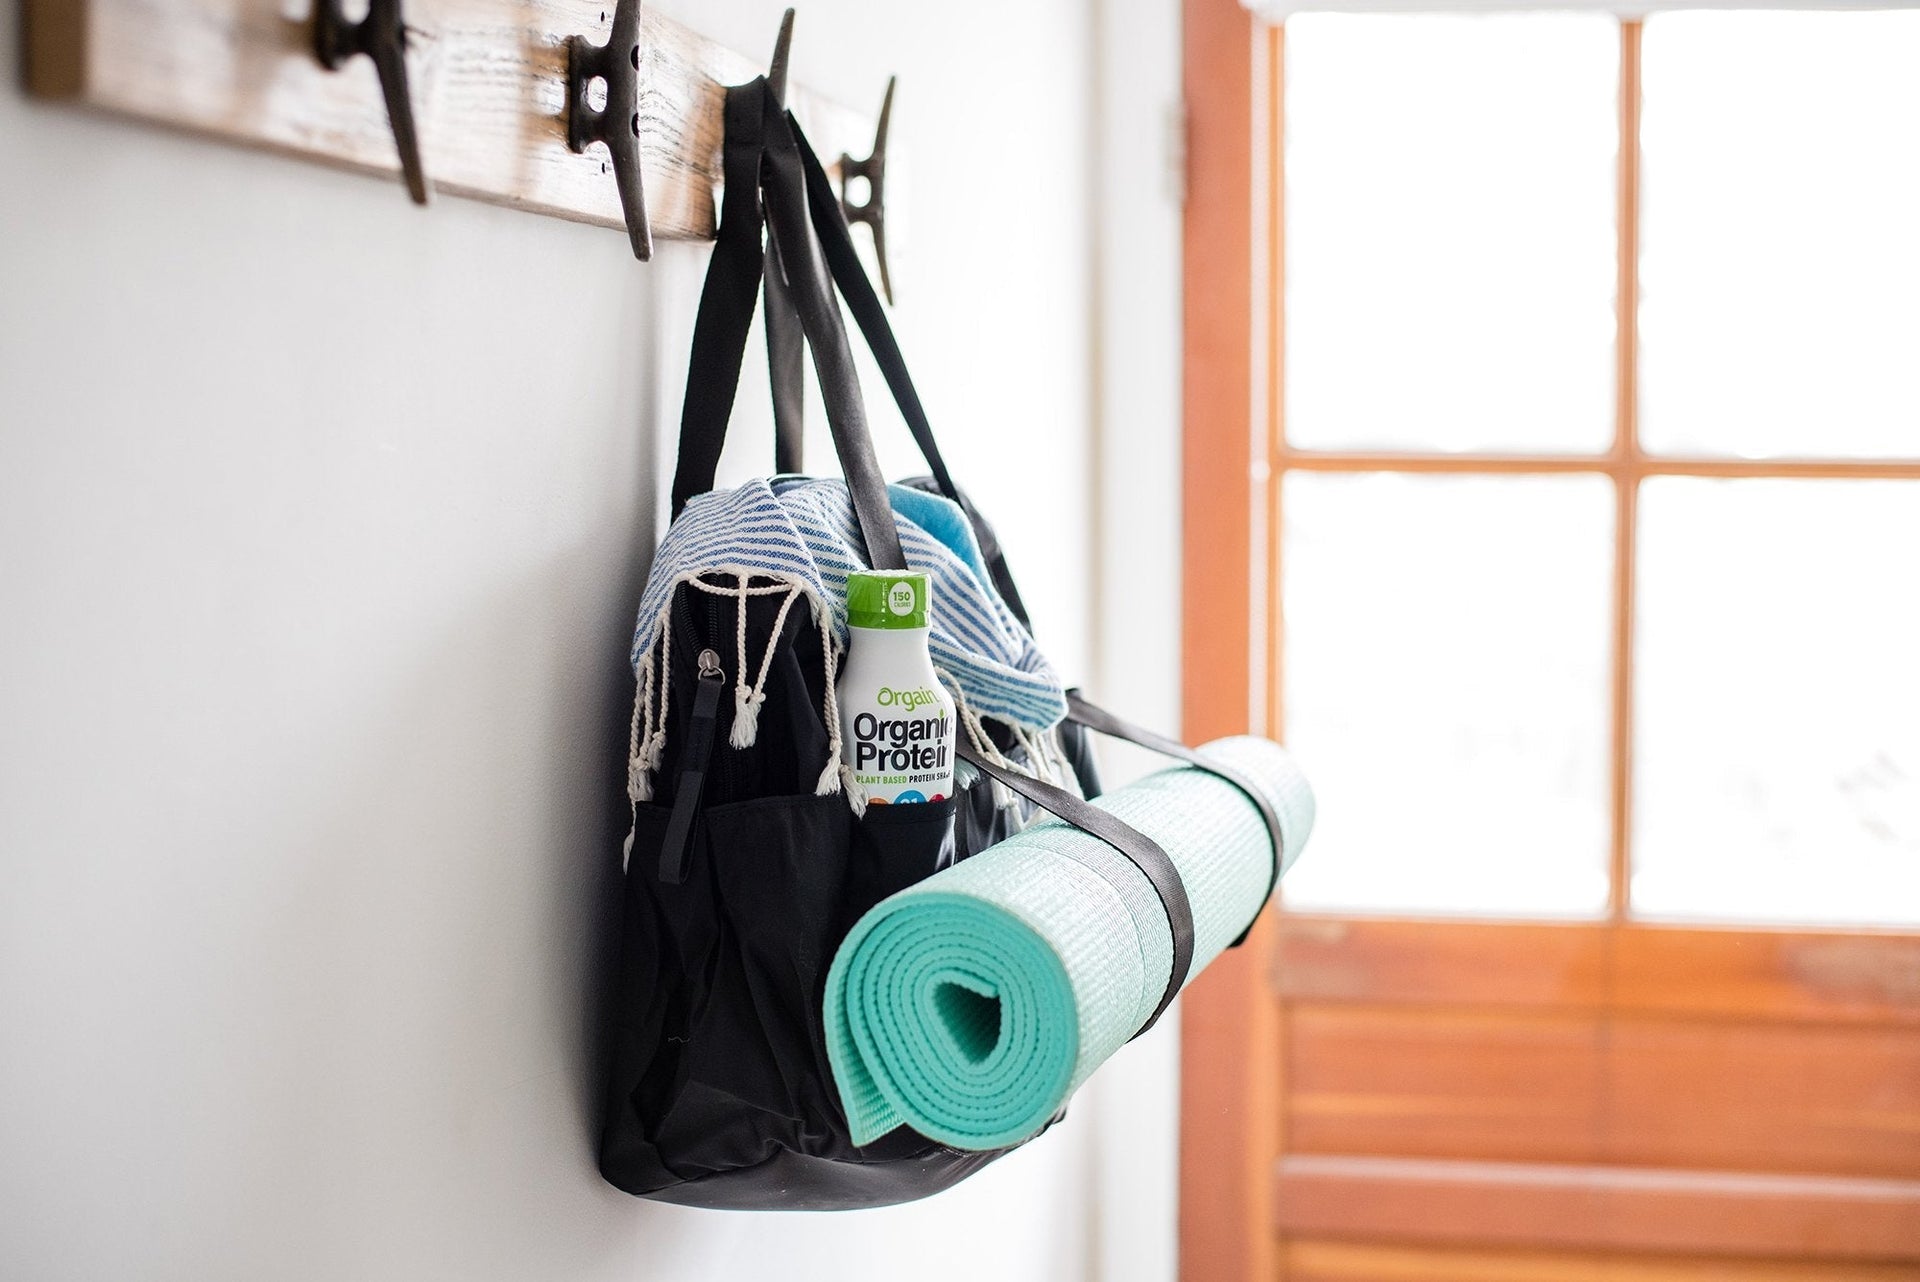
(382, 36)
(873, 210)
(777, 69)
(617, 63)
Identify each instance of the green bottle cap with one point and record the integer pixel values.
(888, 598)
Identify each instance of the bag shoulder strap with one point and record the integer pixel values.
(724, 319)
(739, 263)
(764, 178)
(783, 181)
(786, 362)
(1144, 852)
(720, 340)
(836, 243)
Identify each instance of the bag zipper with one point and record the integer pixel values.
(717, 631)
(693, 769)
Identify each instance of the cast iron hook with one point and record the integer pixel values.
(382, 36)
(777, 69)
(617, 62)
(873, 210)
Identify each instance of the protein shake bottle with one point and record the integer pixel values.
(897, 723)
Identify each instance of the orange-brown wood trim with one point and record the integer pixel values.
(1399, 961)
(1602, 1087)
(1324, 1261)
(1626, 486)
(1598, 1208)
(1801, 976)
(1275, 338)
(1837, 469)
(1791, 976)
(1230, 1079)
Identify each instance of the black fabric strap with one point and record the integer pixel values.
(1142, 850)
(1096, 718)
(726, 312)
(765, 176)
(720, 334)
(786, 362)
(836, 242)
(783, 181)
(720, 342)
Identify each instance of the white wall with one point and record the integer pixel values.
(1137, 237)
(321, 521)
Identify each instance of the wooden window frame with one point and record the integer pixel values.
(1230, 1029)
(1234, 454)
(1627, 462)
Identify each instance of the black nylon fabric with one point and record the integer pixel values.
(725, 317)
(720, 1090)
(762, 162)
(786, 362)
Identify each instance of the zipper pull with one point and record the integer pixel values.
(693, 769)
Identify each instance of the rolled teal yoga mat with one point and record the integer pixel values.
(971, 1005)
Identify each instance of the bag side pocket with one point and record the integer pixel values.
(895, 847)
(776, 867)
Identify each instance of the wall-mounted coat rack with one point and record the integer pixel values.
(484, 94)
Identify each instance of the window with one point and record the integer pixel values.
(1600, 411)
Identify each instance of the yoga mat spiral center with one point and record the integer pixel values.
(970, 1018)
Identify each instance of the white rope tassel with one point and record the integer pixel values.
(745, 725)
(855, 790)
(639, 785)
(653, 696)
(657, 741)
(1040, 763)
(836, 775)
(746, 717)
(1003, 797)
(1056, 750)
(747, 702)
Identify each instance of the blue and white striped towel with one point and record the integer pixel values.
(797, 537)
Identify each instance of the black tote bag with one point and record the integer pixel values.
(740, 880)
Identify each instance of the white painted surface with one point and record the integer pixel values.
(1135, 1098)
(321, 522)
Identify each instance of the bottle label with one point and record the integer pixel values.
(888, 697)
(904, 752)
